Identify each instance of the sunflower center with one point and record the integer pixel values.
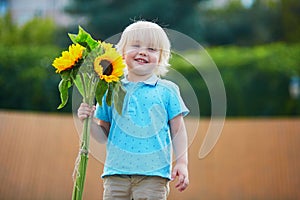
(107, 67)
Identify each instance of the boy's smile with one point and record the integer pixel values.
(141, 59)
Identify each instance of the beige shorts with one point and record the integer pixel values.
(124, 187)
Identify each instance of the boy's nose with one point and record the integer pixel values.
(142, 53)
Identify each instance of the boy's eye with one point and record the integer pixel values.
(151, 49)
(135, 45)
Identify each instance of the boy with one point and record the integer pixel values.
(139, 142)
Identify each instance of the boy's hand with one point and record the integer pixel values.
(181, 171)
(85, 111)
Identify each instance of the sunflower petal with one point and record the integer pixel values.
(69, 58)
(116, 62)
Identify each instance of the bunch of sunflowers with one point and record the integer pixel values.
(88, 62)
(95, 68)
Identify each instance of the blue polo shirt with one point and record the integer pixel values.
(139, 140)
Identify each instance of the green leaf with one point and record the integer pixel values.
(75, 69)
(79, 84)
(119, 95)
(84, 39)
(65, 75)
(63, 87)
(102, 86)
(73, 37)
(109, 94)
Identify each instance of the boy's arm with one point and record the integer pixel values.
(99, 128)
(180, 145)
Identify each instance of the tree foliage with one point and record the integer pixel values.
(290, 20)
(27, 79)
(263, 22)
(256, 79)
(256, 76)
(235, 24)
(35, 32)
(109, 17)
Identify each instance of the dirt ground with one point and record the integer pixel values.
(255, 159)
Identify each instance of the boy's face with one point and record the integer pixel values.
(141, 58)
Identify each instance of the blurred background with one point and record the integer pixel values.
(255, 45)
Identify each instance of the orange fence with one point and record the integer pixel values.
(253, 159)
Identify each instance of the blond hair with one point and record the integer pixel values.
(141, 30)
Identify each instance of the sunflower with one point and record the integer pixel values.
(109, 66)
(68, 58)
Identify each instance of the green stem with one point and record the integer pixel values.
(83, 84)
(89, 85)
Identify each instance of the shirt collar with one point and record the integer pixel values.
(150, 81)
